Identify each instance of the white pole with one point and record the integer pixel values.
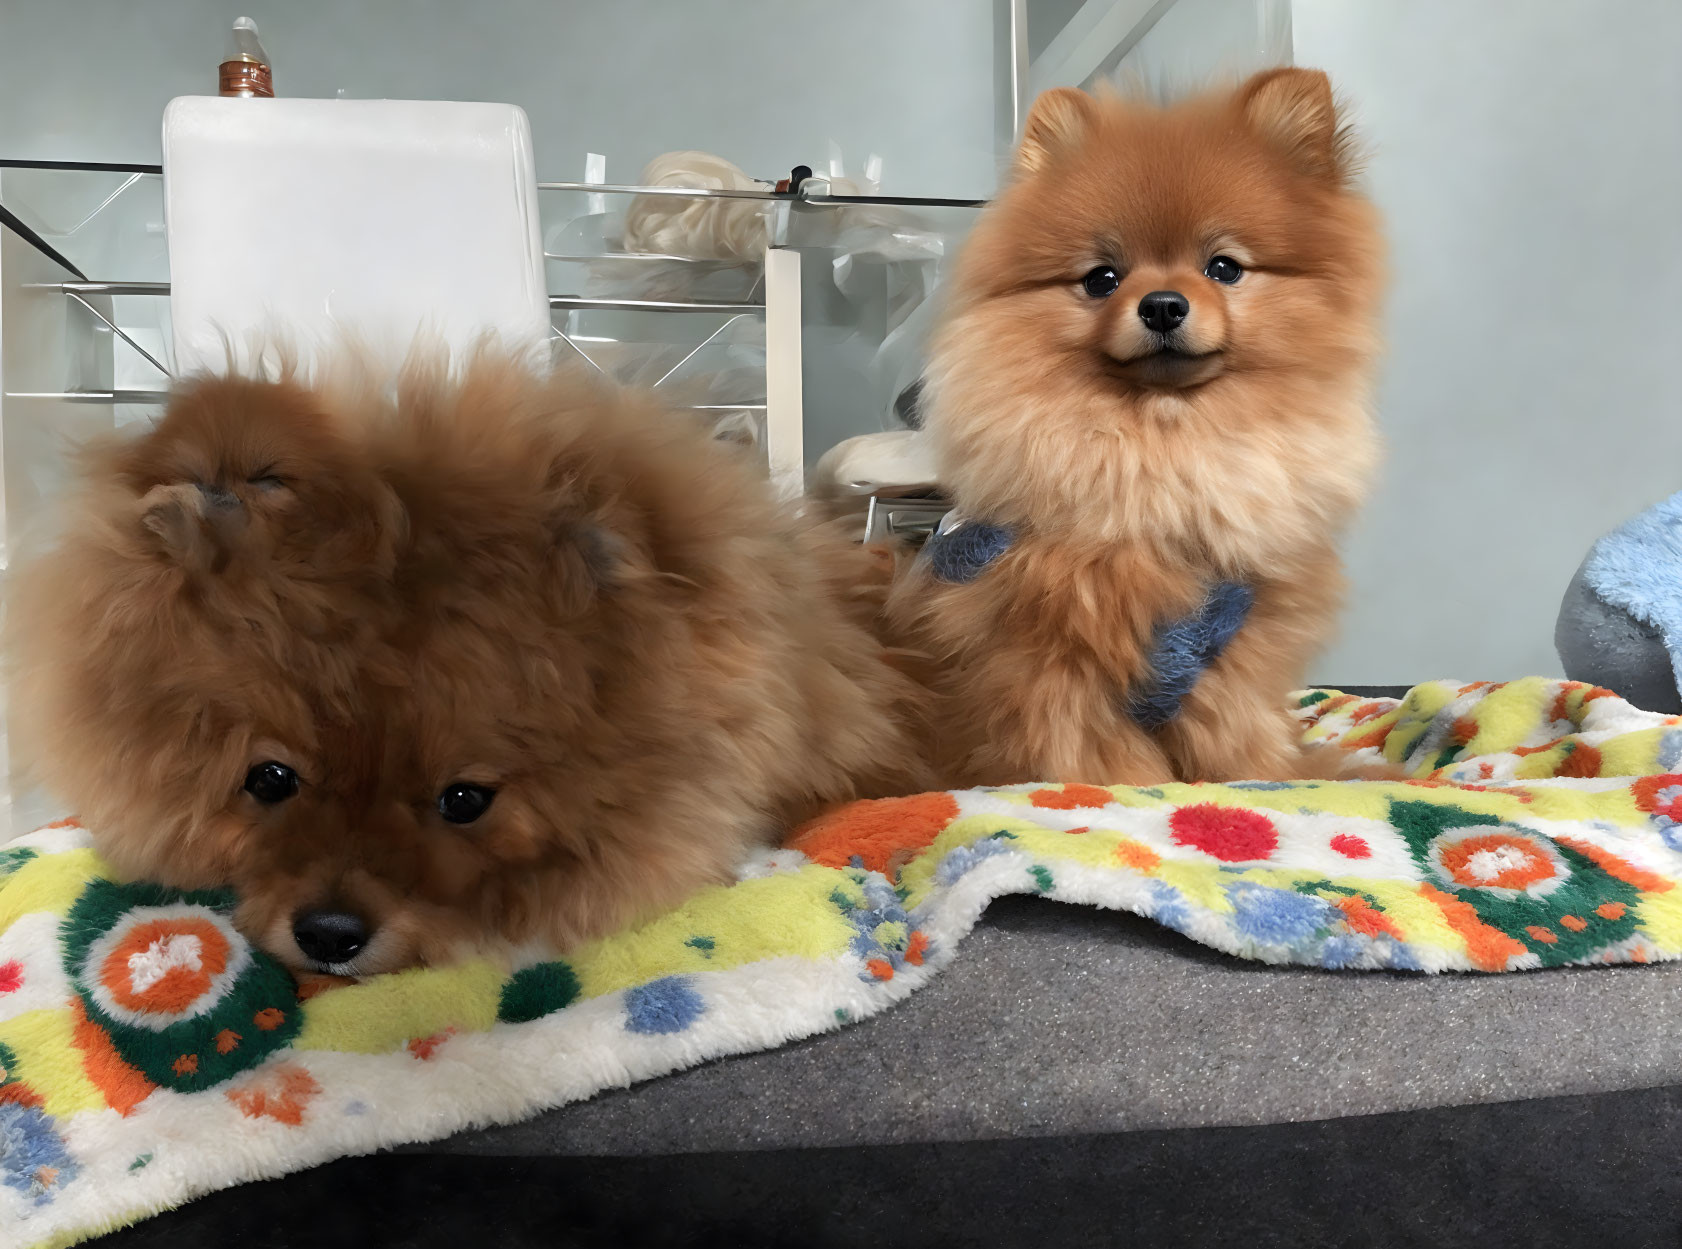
(785, 418)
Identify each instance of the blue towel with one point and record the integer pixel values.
(1638, 567)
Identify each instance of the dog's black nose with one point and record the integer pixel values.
(1164, 310)
(329, 936)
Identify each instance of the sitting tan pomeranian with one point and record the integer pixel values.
(1149, 400)
(493, 660)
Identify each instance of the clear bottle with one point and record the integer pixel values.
(245, 69)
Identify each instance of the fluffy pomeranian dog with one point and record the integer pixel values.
(495, 659)
(1149, 399)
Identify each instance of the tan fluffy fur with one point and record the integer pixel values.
(543, 586)
(1133, 489)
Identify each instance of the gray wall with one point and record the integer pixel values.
(766, 83)
(1195, 41)
(1528, 157)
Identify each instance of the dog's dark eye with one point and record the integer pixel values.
(1101, 283)
(268, 481)
(271, 782)
(462, 803)
(1224, 269)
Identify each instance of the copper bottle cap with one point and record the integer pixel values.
(246, 78)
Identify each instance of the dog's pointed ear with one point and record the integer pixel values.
(195, 526)
(1295, 111)
(590, 561)
(1059, 120)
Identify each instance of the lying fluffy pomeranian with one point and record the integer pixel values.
(1149, 399)
(497, 659)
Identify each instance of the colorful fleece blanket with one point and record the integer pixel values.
(149, 1054)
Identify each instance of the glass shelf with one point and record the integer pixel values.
(692, 320)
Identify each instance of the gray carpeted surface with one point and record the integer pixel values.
(1058, 1019)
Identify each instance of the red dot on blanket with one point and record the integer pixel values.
(1230, 833)
(1351, 847)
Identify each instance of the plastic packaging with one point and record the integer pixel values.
(245, 69)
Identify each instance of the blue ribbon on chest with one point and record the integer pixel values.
(1183, 651)
(960, 550)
